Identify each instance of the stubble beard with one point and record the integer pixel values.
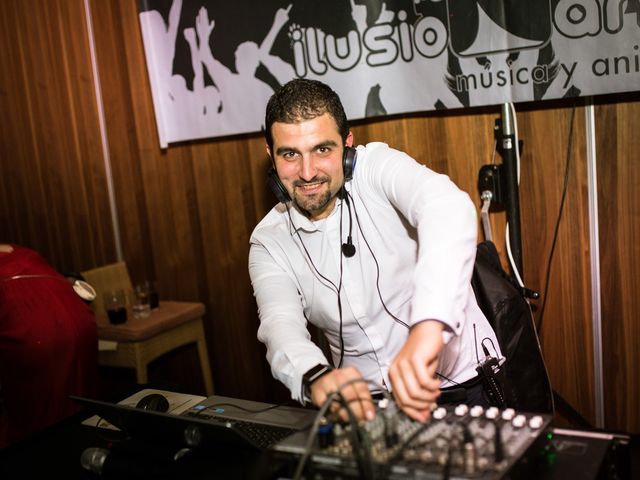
(312, 203)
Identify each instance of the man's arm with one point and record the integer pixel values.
(446, 222)
(413, 371)
(283, 326)
(290, 351)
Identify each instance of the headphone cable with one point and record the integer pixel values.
(337, 288)
(384, 305)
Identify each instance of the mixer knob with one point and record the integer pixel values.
(519, 421)
(461, 410)
(508, 414)
(476, 411)
(439, 413)
(492, 413)
(536, 422)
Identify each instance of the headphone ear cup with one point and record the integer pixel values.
(348, 162)
(276, 186)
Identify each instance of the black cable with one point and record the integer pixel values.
(340, 286)
(312, 434)
(249, 410)
(492, 345)
(444, 377)
(557, 226)
(337, 288)
(360, 440)
(360, 444)
(361, 452)
(384, 305)
(343, 385)
(347, 248)
(475, 343)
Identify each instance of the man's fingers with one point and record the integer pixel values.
(360, 409)
(406, 400)
(412, 373)
(421, 415)
(420, 385)
(357, 398)
(414, 384)
(351, 387)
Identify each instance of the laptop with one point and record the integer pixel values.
(214, 420)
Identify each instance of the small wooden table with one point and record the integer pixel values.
(139, 341)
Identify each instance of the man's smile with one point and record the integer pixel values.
(310, 188)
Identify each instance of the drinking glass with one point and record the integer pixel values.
(141, 307)
(154, 299)
(116, 306)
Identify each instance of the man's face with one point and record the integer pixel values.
(308, 159)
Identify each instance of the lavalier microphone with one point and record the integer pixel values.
(348, 248)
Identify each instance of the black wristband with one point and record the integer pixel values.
(312, 375)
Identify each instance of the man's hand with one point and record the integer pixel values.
(355, 391)
(412, 372)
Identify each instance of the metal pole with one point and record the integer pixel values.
(511, 173)
(103, 134)
(592, 176)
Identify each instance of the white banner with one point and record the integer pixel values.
(213, 65)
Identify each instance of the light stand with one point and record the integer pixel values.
(507, 141)
(500, 184)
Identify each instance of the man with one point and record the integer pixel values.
(380, 262)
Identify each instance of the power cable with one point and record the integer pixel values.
(557, 226)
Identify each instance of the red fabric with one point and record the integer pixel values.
(48, 346)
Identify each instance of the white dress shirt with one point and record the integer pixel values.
(415, 235)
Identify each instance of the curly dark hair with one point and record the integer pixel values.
(303, 99)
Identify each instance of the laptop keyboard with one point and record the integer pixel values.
(262, 436)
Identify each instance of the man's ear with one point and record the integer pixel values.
(349, 140)
(269, 152)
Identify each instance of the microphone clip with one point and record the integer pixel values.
(348, 249)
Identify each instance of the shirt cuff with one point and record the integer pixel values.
(447, 332)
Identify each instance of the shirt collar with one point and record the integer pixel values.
(301, 223)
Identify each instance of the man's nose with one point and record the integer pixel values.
(308, 168)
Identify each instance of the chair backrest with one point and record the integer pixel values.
(108, 277)
(527, 382)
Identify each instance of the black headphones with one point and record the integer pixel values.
(278, 189)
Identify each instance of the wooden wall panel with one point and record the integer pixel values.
(618, 157)
(566, 320)
(459, 145)
(53, 194)
(186, 213)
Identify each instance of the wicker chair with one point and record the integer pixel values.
(139, 341)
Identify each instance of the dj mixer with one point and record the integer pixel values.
(456, 442)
